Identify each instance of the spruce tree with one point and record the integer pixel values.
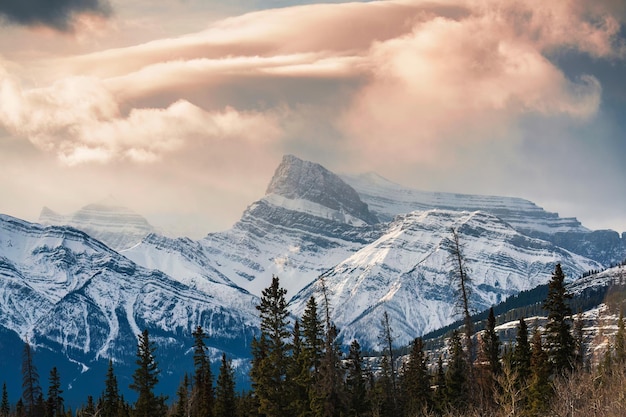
(54, 404)
(203, 396)
(145, 378)
(328, 398)
(522, 354)
(440, 397)
(90, 409)
(182, 398)
(356, 388)
(5, 408)
(456, 375)
(225, 400)
(270, 370)
(31, 390)
(559, 340)
(313, 335)
(416, 381)
(298, 376)
(110, 397)
(492, 345)
(539, 390)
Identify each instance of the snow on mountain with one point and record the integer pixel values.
(387, 199)
(107, 221)
(308, 221)
(406, 272)
(68, 292)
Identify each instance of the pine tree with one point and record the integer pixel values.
(387, 338)
(31, 390)
(463, 281)
(539, 390)
(203, 396)
(416, 381)
(356, 387)
(440, 397)
(559, 340)
(225, 400)
(492, 345)
(328, 396)
(522, 354)
(20, 410)
(270, 370)
(110, 397)
(182, 397)
(5, 408)
(54, 404)
(90, 409)
(298, 375)
(456, 375)
(579, 341)
(312, 332)
(383, 397)
(145, 378)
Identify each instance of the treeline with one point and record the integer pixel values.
(299, 369)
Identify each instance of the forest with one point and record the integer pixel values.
(299, 369)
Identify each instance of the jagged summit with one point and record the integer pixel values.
(107, 220)
(296, 179)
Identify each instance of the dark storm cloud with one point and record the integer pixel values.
(57, 14)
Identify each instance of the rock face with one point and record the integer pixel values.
(296, 179)
(117, 226)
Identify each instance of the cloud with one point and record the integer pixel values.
(408, 78)
(80, 120)
(61, 15)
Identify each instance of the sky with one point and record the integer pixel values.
(182, 109)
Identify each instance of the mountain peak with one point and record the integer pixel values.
(296, 179)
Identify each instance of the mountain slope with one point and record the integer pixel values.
(68, 293)
(406, 272)
(387, 199)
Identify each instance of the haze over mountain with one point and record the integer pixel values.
(85, 302)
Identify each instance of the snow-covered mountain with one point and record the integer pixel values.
(387, 199)
(108, 221)
(406, 272)
(69, 293)
(378, 246)
(311, 223)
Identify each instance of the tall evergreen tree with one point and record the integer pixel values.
(356, 387)
(457, 395)
(579, 341)
(225, 400)
(383, 397)
(539, 390)
(440, 397)
(559, 340)
(416, 390)
(182, 398)
(298, 376)
(522, 354)
(271, 352)
(328, 396)
(31, 390)
(110, 397)
(89, 410)
(54, 404)
(5, 407)
(462, 280)
(203, 396)
(145, 378)
(492, 345)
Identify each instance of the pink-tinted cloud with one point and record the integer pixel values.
(423, 75)
(80, 120)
